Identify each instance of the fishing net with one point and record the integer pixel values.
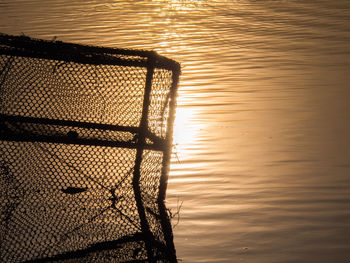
(85, 143)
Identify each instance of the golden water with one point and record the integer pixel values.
(262, 164)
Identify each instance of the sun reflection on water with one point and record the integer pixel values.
(185, 133)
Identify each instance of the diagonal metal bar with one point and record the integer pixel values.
(54, 155)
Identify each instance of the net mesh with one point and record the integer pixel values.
(85, 142)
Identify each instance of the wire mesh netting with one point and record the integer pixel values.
(85, 146)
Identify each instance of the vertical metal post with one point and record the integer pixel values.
(140, 148)
(165, 220)
(169, 136)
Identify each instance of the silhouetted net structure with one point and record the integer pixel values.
(85, 143)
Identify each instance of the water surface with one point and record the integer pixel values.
(262, 164)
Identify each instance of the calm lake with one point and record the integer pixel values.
(261, 164)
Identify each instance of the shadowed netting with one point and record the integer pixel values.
(85, 147)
